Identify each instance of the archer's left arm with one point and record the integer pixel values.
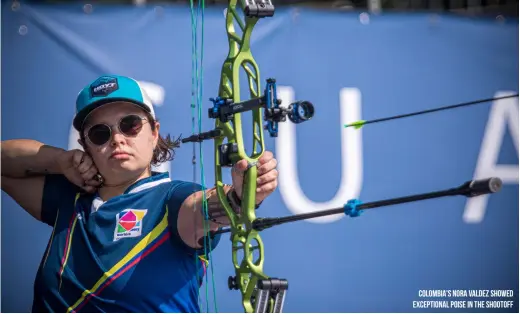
(190, 220)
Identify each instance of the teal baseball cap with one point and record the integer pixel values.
(108, 89)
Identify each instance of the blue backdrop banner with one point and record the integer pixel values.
(351, 67)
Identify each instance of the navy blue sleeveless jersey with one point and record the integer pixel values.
(123, 255)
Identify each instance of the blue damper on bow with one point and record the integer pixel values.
(217, 103)
(350, 208)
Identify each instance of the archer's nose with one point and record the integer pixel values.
(117, 139)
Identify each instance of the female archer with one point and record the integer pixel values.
(124, 238)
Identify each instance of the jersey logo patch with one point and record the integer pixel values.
(129, 223)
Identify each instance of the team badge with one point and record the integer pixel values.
(129, 223)
(103, 86)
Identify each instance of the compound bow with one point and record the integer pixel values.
(260, 292)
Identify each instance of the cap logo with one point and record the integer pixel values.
(103, 86)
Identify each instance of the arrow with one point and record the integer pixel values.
(359, 124)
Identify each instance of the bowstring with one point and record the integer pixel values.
(194, 88)
(203, 178)
(192, 105)
(197, 92)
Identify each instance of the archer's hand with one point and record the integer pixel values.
(78, 167)
(267, 180)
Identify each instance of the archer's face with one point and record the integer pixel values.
(127, 151)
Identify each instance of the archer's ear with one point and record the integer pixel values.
(156, 133)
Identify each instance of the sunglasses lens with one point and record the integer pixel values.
(99, 134)
(131, 125)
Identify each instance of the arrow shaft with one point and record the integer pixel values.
(464, 104)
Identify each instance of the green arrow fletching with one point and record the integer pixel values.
(357, 125)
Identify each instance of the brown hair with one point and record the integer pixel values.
(165, 149)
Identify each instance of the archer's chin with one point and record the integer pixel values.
(127, 165)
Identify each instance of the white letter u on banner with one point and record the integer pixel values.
(351, 159)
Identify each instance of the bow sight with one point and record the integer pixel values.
(224, 109)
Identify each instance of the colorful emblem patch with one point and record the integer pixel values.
(129, 223)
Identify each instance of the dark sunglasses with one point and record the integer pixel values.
(130, 126)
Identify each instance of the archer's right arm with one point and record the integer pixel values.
(24, 166)
(27, 164)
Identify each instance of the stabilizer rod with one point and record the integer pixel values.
(468, 189)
